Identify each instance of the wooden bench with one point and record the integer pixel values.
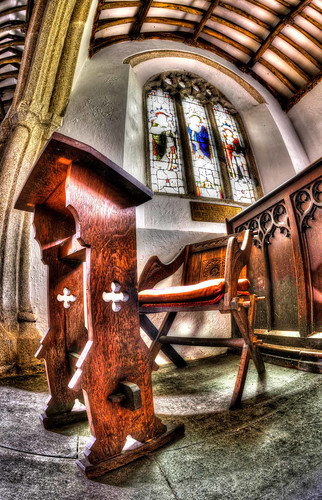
(213, 278)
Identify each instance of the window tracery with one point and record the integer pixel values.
(195, 142)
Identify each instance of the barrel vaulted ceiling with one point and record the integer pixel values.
(278, 42)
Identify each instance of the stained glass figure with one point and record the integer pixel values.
(243, 187)
(164, 146)
(204, 156)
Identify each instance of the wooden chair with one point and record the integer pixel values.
(213, 278)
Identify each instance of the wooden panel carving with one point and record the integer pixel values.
(285, 262)
(266, 223)
(271, 232)
(308, 203)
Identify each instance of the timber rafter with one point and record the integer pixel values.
(278, 28)
(240, 34)
(205, 18)
(13, 26)
(141, 17)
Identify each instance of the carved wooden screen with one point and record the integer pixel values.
(285, 263)
(195, 145)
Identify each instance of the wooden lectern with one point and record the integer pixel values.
(84, 216)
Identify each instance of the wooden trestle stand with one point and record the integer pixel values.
(84, 216)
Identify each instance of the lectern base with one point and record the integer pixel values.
(95, 470)
(60, 419)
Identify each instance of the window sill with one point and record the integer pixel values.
(227, 202)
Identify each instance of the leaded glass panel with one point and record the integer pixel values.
(203, 150)
(164, 145)
(242, 184)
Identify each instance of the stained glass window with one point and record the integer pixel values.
(164, 145)
(191, 125)
(241, 183)
(203, 150)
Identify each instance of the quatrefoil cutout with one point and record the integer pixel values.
(115, 296)
(67, 298)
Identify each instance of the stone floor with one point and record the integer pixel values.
(269, 449)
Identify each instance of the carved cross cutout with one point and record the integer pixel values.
(66, 298)
(115, 296)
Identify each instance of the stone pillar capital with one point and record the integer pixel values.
(35, 116)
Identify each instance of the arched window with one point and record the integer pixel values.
(196, 141)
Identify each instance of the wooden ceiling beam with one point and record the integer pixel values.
(155, 5)
(12, 43)
(108, 23)
(316, 8)
(178, 6)
(121, 5)
(10, 60)
(264, 7)
(12, 10)
(242, 13)
(290, 63)
(279, 75)
(311, 20)
(284, 3)
(140, 18)
(275, 31)
(228, 40)
(303, 91)
(299, 49)
(205, 18)
(12, 25)
(236, 27)
(9, 74)
(308, 35)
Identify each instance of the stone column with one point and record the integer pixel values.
(42, 93)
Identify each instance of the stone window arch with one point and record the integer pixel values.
(195, 141)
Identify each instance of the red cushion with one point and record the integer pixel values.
(205, 290)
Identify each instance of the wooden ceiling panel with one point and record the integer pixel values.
(296, 54)
(14, 19)
(303, 40)
(263, 70)
(242, 21)
(235, 52)
(278, 42)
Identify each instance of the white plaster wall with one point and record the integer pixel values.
(97, 107)
(306, 117)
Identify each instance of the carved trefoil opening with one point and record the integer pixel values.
(264, 225)
(306, 202)
(196, 141)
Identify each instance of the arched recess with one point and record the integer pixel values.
(265, 125)
(43, 89)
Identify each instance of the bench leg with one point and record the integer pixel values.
(154, 334)
(241, 378)
(245, 324)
